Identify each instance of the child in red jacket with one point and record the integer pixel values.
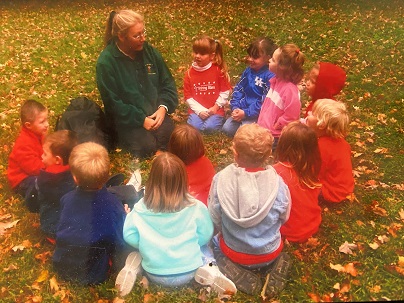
(186, 143)
(25, 160)
(330, 120)
(299, 166)
(325, 80)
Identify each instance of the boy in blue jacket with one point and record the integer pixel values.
(89, 239)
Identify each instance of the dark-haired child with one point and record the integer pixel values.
(250, 91)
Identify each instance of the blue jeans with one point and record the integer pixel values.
(231, 126)
(211, 124)
(182, 278)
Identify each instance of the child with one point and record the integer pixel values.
(282, 103)
(55, 179)
(248, 203)
(299, 165)
(170, 229)
(330, 120)
(25, 160)
(253, 86)
(89, 234)
(187, 144)
(325, 80)
(206, 85)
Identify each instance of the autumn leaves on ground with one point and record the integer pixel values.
(48, 52)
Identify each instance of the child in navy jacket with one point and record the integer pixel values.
(89, 236)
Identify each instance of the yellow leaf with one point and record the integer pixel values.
(375, 289)
(374, 245)
(337, 267)
(400, 261)
(53, 283)
(43, 276)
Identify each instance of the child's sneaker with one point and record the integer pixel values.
(136, 180)
(277, 275)
(127, 276)
(210, 275)
(244, 279)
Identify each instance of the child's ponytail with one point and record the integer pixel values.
(219, 60)
(291, 64)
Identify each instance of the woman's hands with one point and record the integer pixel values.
(154, 121)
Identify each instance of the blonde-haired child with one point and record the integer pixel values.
(89, 234)
(186, 143)
(298, 163)
(248, 203)
(330, 120)
(282, 103)
(207, 85)
(171, 230)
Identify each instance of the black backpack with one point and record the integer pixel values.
(86, 118)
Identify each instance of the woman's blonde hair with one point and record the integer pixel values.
(167, 186)
(206, 45)
(290, 65)
(89, 164)
(253, 145)
(186, 143)
(332, 116)
(119, 22)
(298, 146)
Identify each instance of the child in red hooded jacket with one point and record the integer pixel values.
(325, 80)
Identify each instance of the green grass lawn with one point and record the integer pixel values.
(48, 51)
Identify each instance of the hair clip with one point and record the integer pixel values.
(297, 51)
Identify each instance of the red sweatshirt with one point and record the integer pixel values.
(305, 214)
(336, 169)
(25, 158)
(330, 81)
(200, 174)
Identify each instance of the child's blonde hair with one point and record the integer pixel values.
(61, 143)
(119, 22)
(253, 145)
(186, 143)
(206, 45)
(290, 65)
(298, 146)
(167, 186)
(332, 116)
(30, 110)
(89, 164)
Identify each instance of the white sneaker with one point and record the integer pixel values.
(136, 180)
(211, 275)
(127, 276)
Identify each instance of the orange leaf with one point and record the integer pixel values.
(314, 297)
(350, 269)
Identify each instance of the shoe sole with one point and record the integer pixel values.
(127, 276)
(245, 280)
(220, 284)
(278, 275)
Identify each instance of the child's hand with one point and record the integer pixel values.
(238, 115)
(213, 110)
(204, 115)
(126, 208)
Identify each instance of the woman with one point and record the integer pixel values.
(136, 86)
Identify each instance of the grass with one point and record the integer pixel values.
(48, 52)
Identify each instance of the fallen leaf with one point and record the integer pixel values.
(314, 297)
(10, 267)
(346, 248)
(401, 214)
(375, 289)
(350, 269)
(345, 288)
(43, 276)
(43, 257)
(53, 283)
(400, 261)
(7, 225)
(18, 247)
(337, 267)
(374, 245)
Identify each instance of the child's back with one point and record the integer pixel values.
(299, 165)
(330, 120)
(89, 234)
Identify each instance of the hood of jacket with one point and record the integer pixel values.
(246, 197)
(330, 81)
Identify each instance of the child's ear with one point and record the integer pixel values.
(59, 160)
(75, 179)
(27, 125)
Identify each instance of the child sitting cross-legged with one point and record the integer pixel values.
(248, 203)
(89, 239)
(55, 180)
(170, 231)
